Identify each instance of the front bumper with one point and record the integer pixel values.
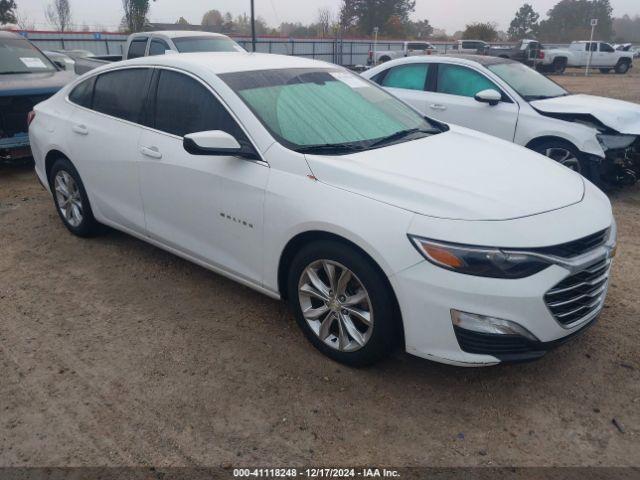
(427, 294)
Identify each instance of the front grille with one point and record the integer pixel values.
(576, 247)
(13, 113)
(580, 295)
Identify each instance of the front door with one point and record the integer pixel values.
(453, 102)
(209, 207)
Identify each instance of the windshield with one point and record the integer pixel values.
(326, 110)
(19, 56)
(530, 84)
(206, 44)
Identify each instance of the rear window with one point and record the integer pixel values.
(121, 93)
(206, 44)
(137, 48)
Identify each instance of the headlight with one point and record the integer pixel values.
(479, 261)
(614, 142)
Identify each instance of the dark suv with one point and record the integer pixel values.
(27, 77)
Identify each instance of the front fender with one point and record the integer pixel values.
(532, 126)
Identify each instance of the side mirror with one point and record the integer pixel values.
(490, 96)
(62, 65)
(216, 143)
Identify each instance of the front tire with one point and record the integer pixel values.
(564, 153)
(343, 303)
(71, 201)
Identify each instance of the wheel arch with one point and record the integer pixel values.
(294, 245)
(50, 158)
(550, 138)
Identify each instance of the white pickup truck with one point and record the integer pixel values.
(409, 49)
(603, 57)
(146, 44)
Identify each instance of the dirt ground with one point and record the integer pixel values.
(113, 352)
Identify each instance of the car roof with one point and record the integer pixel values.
(226, 62)
(180, 33)
(461, 59)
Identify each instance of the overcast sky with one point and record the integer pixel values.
(451, 15)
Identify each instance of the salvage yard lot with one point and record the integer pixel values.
(113, 352)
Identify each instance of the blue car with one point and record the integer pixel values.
(27, 77)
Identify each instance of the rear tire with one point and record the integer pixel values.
(558, 66)
(343, 303)
(622, 68)
(71, 201)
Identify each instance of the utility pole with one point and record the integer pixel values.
(253, 26)
(594, 24)
(375, 44)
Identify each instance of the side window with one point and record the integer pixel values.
(605, 47)
(412, 76)
(457, 80)
(184, 105)
(417, 46)
(158, 47)
(137, 48)
(121, 93)
(83, 94)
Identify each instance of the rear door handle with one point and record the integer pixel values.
(80, 129)
(437, 106)
(151, 152)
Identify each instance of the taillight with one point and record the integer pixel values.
(541, 55)
(30, 117)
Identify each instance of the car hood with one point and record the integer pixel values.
(624, 117)
(459, 174)
(34, 83)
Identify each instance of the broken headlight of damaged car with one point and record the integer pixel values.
(480, 261)
(623, 151)
(615, 142)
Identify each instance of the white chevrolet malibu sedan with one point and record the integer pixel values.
(306, 182)
(596, 136)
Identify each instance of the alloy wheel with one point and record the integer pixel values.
(336, 305)
(68, 198)
(564, 157)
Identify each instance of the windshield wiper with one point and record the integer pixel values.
(394, 137)
(329, 148)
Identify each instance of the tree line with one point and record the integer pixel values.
(567, 20)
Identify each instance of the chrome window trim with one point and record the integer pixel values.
(260, 161)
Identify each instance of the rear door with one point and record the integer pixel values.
(105, 130)
(452, 101)
(408, 82)
(209, 207)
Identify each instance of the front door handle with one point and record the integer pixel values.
(151, 152)
(437, 106)
(80, 129)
